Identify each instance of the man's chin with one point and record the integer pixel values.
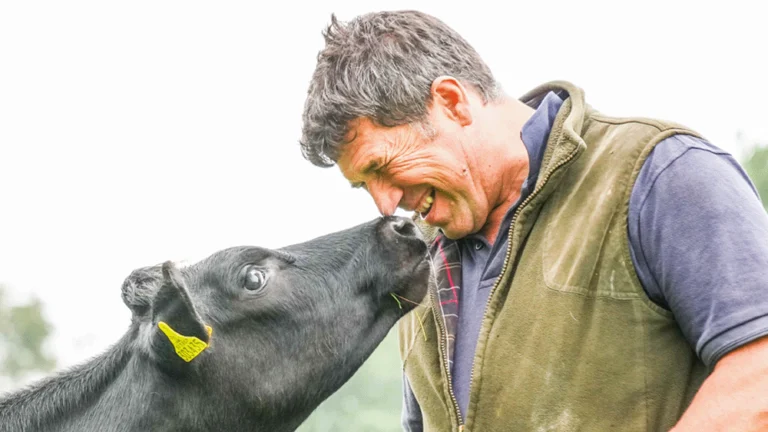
(455, 231)
(452, 233)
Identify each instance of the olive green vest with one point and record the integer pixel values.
(569, 340)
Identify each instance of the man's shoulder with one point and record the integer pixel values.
(631, 138)
(689, 153)
(658, 124)
(675, 146)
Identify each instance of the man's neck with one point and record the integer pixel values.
(509, 160)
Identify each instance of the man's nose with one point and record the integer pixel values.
(386, 196)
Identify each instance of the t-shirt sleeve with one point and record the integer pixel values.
(699, 241)
(410, 418)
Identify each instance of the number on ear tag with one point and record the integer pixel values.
(187, 347)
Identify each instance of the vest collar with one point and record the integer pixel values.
(565, 142)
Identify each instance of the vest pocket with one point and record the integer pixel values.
(585, 248)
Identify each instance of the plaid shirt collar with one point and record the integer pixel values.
(446, 260)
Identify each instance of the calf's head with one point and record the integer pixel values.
(271, 333)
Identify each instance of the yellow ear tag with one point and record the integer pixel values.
(187, 347)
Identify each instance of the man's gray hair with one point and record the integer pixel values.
(381, 66)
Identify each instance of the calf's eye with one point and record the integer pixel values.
(255, 279)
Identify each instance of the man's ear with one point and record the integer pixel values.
(450, 96)
(178, 334)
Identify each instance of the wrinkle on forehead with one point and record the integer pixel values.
(371, 145)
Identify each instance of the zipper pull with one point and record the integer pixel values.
(461, 428)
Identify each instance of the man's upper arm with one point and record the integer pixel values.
(699, 241)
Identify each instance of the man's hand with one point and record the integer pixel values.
(735, 395)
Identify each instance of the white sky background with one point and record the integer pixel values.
(135, 132)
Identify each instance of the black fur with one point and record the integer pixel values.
(274, 356)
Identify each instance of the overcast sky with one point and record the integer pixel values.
(135, 132)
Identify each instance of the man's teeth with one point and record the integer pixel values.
(426, 204)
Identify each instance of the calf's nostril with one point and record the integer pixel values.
(404, 227)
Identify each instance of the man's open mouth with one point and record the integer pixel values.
(426, 205)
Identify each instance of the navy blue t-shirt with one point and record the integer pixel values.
(698, 237)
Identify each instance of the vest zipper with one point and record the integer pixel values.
(509, 249)
(443, 341)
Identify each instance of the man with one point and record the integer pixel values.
(592, 273)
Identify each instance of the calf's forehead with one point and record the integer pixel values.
(232, 258)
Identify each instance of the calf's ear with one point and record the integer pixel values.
(139, 288)
(178, 334)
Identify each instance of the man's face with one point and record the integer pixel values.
(404, 167)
